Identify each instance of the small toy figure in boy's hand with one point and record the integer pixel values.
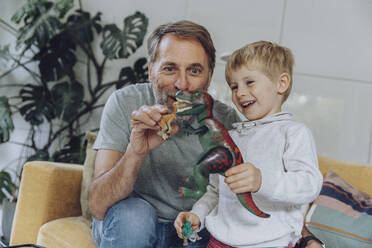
(185, 227)
(188, 234)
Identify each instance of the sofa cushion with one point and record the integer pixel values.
(66, 233)
(342, 215)
(87, 175)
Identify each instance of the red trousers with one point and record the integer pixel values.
(214, 243)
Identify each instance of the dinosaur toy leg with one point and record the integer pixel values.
(217, 160)
(199, 179)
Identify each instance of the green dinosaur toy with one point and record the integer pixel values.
(220, 151)
(188, 234)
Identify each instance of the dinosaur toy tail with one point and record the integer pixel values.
(247, 201)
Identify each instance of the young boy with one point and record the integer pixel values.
(281, 169)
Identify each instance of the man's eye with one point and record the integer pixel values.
(195, 71)
(168, 69)
(250, 82)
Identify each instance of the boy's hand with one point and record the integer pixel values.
(183, 217)
(243, 178)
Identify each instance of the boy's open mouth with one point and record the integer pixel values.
(247, 104)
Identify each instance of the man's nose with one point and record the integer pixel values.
(182, 83)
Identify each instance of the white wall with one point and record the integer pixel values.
(331, 41)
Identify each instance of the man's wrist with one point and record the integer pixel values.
(310, 239)
(132, 152)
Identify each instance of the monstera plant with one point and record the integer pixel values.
(65, 51)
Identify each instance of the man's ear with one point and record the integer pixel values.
(210, 74)
(283, 83)
(149, 70)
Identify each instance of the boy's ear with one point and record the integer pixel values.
(283, 83)
(149, 70)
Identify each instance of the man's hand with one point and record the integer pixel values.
(144, 137)
(243, 178)
(312, 243)
(182, 218)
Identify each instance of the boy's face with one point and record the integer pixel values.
(254, 94)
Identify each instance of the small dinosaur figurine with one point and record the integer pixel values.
(187, 233)
(220, 151)
(165, 123)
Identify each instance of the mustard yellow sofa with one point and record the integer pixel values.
(48, 211)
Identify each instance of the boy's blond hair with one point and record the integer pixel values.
(265, 56)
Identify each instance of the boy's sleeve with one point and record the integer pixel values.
(208, 201)
(302, 180)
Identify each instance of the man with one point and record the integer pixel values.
(134, 195)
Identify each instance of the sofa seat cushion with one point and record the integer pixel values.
(66, 233)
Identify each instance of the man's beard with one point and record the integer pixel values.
(162, 98)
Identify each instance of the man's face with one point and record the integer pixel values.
(181, 64)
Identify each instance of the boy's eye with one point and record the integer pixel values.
(233, 87)
(249, 82)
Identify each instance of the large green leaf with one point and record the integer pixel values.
(57, 58)
(41, 21)
(72, 152)
(36, 103)
(137, 74)
(6, 122)
(68, 98)
(6, 185)
(121, 44)
(80, 25)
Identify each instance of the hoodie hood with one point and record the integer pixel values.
(281, 116)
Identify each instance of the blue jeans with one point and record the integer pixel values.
(133, 223)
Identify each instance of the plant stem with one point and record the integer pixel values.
(34, 75)
(19, 143)
(8, 71)
(50, 130)
(100, 72)
(7, 27)
(105, 87)
(11, 85)
(32, 133)
(98, 106)
(14, 68)
(86, 110)
(89, 78)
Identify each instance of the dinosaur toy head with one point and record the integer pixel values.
(194, 102)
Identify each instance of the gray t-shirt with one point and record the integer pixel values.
(164, 170)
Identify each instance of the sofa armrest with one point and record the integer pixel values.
(48, 191)
(359, 175)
